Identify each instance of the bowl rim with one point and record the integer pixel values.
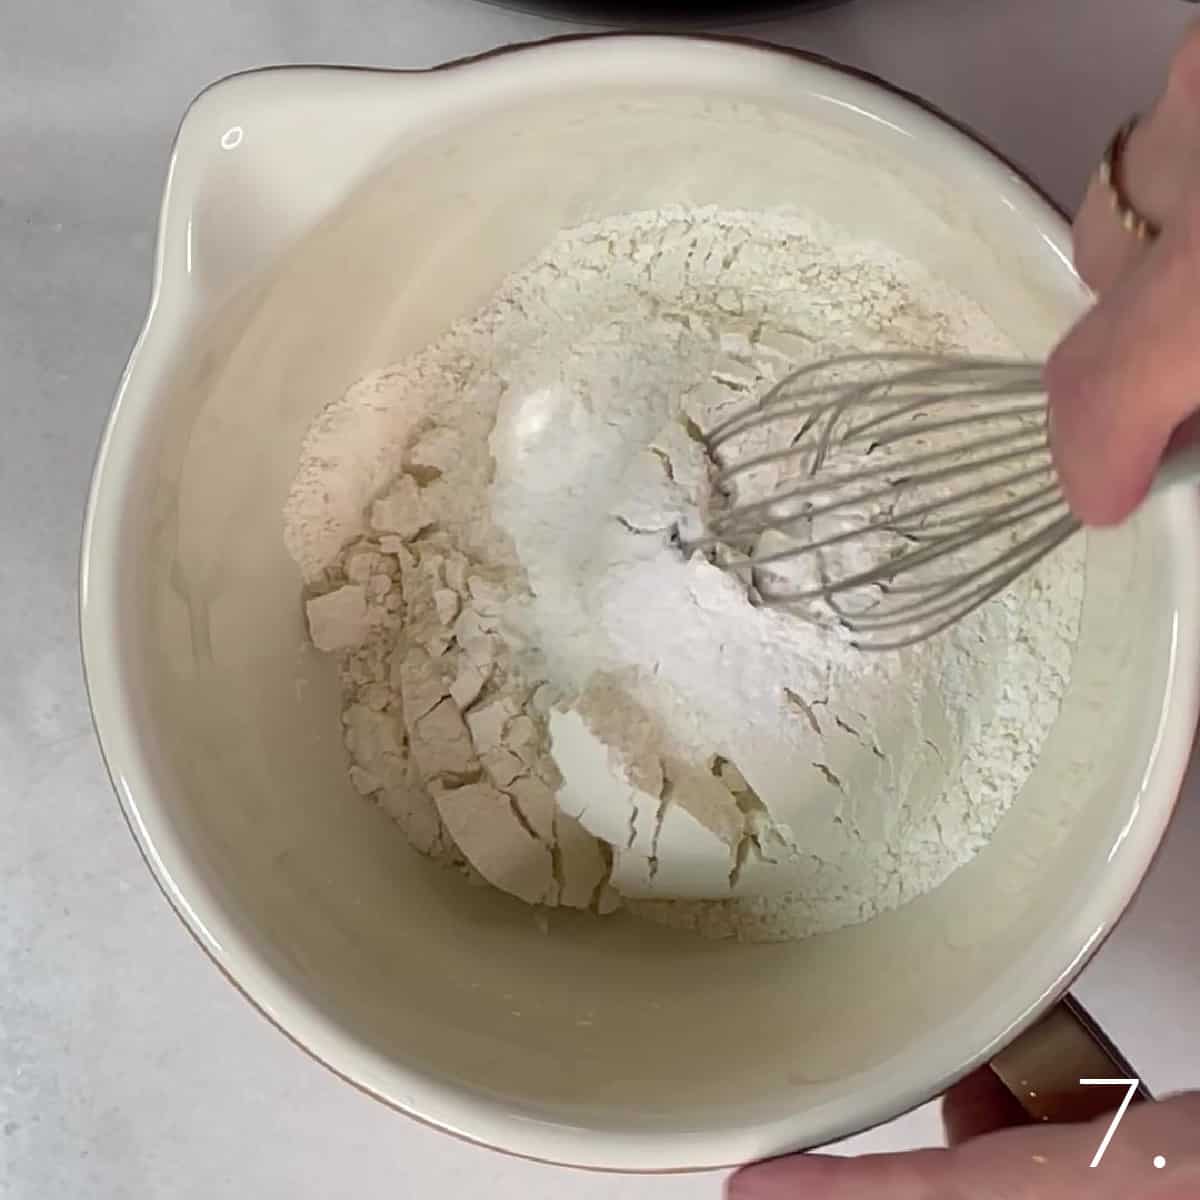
(96, 618)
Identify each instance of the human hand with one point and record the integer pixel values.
(993, 1158)
(1127, 377)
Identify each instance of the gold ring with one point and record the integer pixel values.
(1111, 176)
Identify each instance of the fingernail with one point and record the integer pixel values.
(779, 1178)
(761, 1181)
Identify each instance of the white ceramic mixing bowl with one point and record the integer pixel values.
(319, 224)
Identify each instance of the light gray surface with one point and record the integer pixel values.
(128, 1068)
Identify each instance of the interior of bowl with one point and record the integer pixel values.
(221, 723)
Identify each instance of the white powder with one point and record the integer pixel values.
(544, 690)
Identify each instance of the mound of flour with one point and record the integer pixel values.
(547, 691)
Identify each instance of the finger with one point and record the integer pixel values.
(979, 1104)
(1158, 166)
(1180, 1185)
(1051, 1162)
(1125, 377)
(1104, 249)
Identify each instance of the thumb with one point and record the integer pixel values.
(1125, 377)
(909, 1176)
(1042, 1162)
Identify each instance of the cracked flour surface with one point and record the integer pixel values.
(541, 687)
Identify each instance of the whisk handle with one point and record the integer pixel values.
(1180, 466)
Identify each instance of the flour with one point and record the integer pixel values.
(546, 690)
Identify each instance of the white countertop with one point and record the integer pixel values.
(128, 1067)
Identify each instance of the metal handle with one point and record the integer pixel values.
(1180, 466)
(1043, 1067)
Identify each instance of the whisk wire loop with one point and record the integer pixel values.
(892, 494)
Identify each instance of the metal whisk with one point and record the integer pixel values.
(891, 493)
